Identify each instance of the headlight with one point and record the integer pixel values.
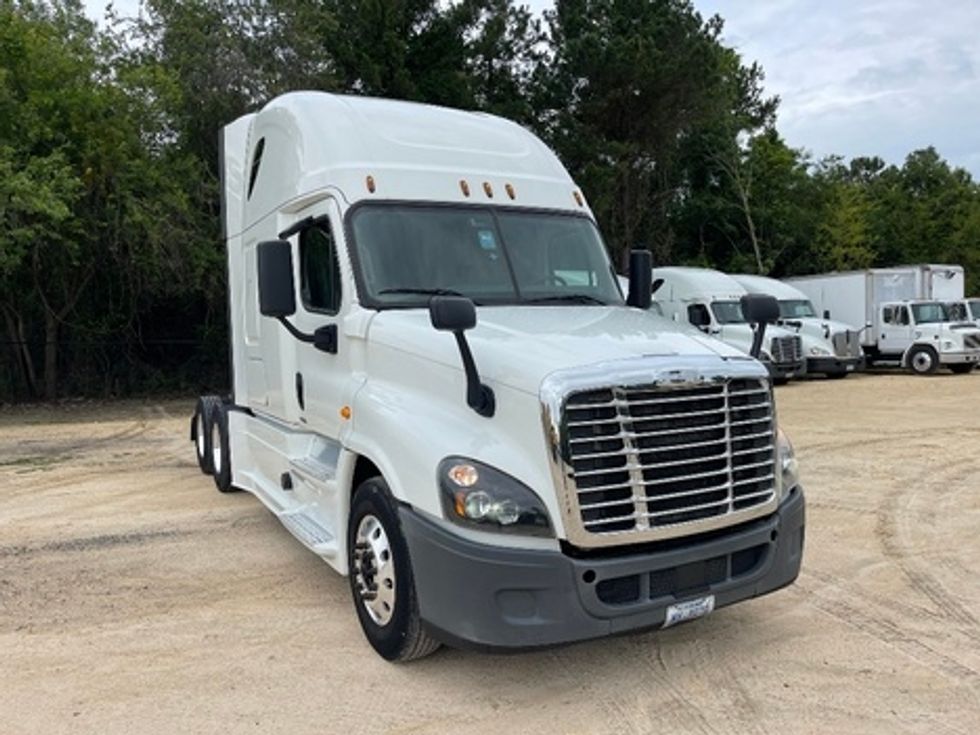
(819, 351)
(478, 496)
(789, 468)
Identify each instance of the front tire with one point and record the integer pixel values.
(962, 368)
(381, 578)
(923, 360)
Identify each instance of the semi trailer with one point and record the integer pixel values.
(904, 311)
(831, 348)
(439, 388)
(709, 300)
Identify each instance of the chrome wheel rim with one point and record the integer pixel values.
(374, 570)
(921, 362)
(216, 447)
(200, 435)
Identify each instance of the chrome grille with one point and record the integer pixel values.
(847, 344)
(786, 350)
(644, 457)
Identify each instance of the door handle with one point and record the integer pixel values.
(299, 392)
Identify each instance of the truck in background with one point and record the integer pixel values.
(709, 300)
(832, 348)
(439, 389)
(904, 310)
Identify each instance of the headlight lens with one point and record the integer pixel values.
(819, 351)
(478, 496)
(789, 467)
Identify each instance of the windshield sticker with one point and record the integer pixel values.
(487, 240)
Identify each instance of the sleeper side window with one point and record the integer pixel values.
(319, 269)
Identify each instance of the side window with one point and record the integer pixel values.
(902, 316)
(698, 315)
(888, 314)
(319, 269)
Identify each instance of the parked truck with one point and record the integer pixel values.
(831, 348)
(439, 388)
(905, 314)
(709, 300)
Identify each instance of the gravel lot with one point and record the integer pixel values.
(134, 598)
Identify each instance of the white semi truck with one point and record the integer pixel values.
(905, 313)
(439, 389)
(832, 348)
(709, 300)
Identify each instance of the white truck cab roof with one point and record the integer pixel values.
(687, 284)
(763, 284)
(303, 143)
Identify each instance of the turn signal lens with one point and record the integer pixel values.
(463, 475)
(370, 184)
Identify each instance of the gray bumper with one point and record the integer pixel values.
(786, 370)
(959, 358)
(487, 597)
(831, 365)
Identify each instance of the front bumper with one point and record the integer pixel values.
(833, 365)
(959, 358)
(786, 370)
(474, 595)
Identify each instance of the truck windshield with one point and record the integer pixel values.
(727, 312)
(796, 309)
(957, 312)
(975, 308)
(932, 313)
(406, 253)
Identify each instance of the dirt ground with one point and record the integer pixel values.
(134, 598)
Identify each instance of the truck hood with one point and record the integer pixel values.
(518, 345)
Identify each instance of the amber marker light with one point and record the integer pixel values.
(487, 189)
(510, 191)
(578, 198)
(464, 187)
(345, 412)
(370, 184)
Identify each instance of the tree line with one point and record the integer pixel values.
(112, 277)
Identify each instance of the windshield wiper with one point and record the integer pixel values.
(568, 298)
(423, 291)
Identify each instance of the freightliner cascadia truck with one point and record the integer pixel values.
(439, 388)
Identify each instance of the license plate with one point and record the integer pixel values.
(849, 368)
(690, 610)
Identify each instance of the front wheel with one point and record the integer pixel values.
(381, 578)
(220, 444)
(962, 368)
(923, 360)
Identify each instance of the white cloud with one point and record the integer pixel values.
(867, 78)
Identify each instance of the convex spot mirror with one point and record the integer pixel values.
(758, 308)
(277, 295)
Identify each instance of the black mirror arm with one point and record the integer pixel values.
(324, 339)
(479, 397)
(757, 337)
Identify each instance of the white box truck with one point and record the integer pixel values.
(832, 348)
(904, 311)
(438, 389)
(709, 300)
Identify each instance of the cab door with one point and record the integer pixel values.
(895, 330)
(322, 383)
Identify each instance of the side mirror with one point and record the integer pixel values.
(826, 313)
(641, 279)
(456, 314)
(759, 309)
(277, 293)
(452, 313)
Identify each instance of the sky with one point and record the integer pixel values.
(855, 77)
